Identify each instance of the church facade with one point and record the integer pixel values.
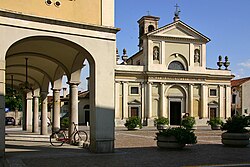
(168, 77)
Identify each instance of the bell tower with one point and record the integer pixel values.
(146, 24)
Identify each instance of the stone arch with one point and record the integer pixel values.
(92, 46)
(151, 28)
(177, 103)
(176, 57)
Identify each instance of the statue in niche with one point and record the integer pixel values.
(197, 56)
(156, 53)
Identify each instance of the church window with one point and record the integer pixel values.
(176, 65)
(151, 28)
(141, 31)
(213, 92)
(134, 90)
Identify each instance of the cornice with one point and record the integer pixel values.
(21, 16)
(175, 38)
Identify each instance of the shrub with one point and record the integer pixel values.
(215, 121)
(133, 122)
(188, 122)
(65, 122)
(182, 135)
(161, 121)
(236, 124)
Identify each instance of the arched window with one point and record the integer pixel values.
(86, 107)
(151, 28)
(176, 65)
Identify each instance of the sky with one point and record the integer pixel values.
(225, 22)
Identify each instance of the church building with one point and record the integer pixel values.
(168, 76)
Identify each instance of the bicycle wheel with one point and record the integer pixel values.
(80, 136)
(57, 138)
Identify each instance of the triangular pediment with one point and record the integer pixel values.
(179, 30)
(134, 102)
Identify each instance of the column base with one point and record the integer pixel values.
(148, 122)
(102, 146)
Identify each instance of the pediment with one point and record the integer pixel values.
(134, 102)
(213, 103)
(179, 30)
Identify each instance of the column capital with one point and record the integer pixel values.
(191, 84)
(118, 82)
(149, 83)
(124, 82)
(55, 89)
(73, 83)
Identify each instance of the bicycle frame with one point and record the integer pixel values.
(74, 131)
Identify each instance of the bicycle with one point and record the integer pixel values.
(58, 138)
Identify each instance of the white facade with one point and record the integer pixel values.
(168, 77)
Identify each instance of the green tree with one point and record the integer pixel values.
(13, 101)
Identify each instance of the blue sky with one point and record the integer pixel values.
(225, 22)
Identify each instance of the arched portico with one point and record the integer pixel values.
(47, 51)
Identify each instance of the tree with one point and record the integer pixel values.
(13, 101)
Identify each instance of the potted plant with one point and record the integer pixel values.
(236, 133)
(175, 137)
(215, 123)
(133, 123)
(188, 122)
(161, 123)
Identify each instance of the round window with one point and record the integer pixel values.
(57, 3)
(48, 2)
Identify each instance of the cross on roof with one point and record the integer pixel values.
(177, 10)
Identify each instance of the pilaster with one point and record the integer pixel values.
(191, 100)
(143, 99)
(117, 101)
(228, 101)
(149, 100)
(124, 100)
(162, 100)
(163, 44)
(221, 113)
(204, 101)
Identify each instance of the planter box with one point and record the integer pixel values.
(136, 128)
(162, 127)
(235, 139)
(216, 127)
(169, 142)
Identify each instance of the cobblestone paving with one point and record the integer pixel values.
(133, 148)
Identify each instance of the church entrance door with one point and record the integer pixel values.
(175, 113)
